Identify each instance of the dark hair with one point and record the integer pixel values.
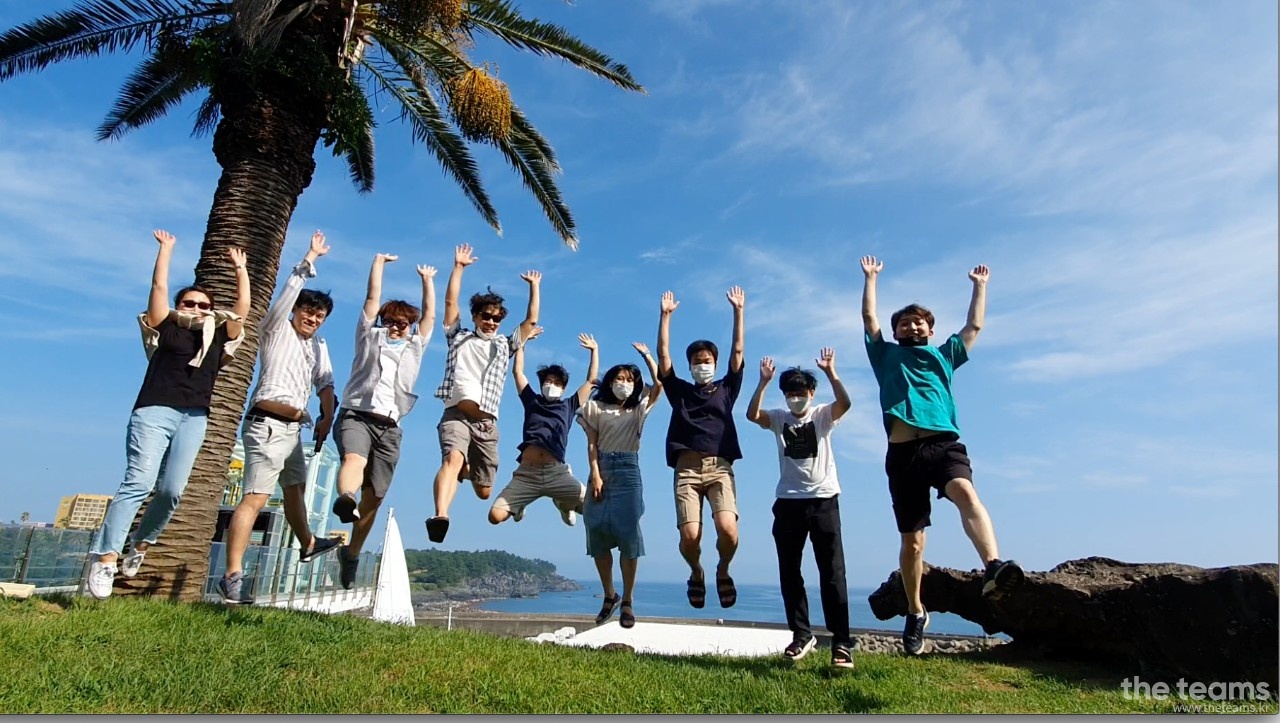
(312, 299)
(396, 310)
(604, 392)
(194, 287)
(701, 345)
(911, 310)
(796, 379)
(479, 302)
(555, 373)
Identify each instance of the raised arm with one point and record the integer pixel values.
(593, 368)
(754, 412)
(669, 305)
(278, 314)
(871, 268)
(655, 387)
(158, 301)
(517, 369)
(241, 307)
(535, 302)
(827, 363)
(373, 296)
(738, 298)
(428, 274)
(977, 306)
(462, 258)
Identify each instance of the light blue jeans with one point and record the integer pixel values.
(159, 439)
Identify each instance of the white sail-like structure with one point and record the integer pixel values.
(391, 600)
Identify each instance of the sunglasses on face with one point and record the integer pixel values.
(193, 304)
(486, 316)
(396, 324)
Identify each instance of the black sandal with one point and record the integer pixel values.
(697, 592)
(727, 592)
(799, 648)
(841, 656)
(345, 507)
(606, 610)
(627, 618)
(437, 528)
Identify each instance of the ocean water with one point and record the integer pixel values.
(758, 603)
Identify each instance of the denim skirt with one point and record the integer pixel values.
(614, 521)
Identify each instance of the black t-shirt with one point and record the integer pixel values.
(171, 381)
(702, 417)
(546, 423)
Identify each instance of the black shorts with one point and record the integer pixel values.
(914, 467)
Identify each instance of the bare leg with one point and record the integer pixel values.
(691, 548)
(629, 566)
(295, 511)
(911, 565)
(726, 540)
(604, 567)
(351, 473)
(974, 518)
(241, 526)
(369, 504)
(447, 481)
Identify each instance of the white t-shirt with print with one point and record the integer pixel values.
(806, 466)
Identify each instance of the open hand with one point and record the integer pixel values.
(766, 369)
(462, 255)
(827, 359)
(165, 238)
(669, 303)
(641, 347)
(533, 277)
(871, 265)
(238, 257)
(318, 246)
(385, 258)
(534, 333)
(587, 341)
(737, 297)
(426, 272)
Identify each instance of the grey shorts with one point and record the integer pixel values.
(531, 481)
(272, 452)
(377, 440)
(477, 441)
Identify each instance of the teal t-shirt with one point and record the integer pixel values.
(915, 381)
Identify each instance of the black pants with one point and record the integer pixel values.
(818, 520)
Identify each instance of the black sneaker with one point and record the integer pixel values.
(437, 527)
(913, 633)
(1000, 578)
(347, 568)
(320, 546)
(345, 508)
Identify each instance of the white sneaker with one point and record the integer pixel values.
(569, 516)
(100, 578)
(130, 566)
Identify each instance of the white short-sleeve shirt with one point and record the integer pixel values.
(806, 466)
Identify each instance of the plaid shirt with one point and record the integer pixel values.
(494, 377)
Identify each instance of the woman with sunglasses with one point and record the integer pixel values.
(185, 347)
(379, 394)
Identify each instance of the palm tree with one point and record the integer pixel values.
(277, 76)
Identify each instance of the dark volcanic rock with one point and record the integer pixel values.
(1206, 624)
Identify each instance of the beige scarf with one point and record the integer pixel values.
(207, 322)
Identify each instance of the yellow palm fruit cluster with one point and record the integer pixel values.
(418, 16)
(481, 105)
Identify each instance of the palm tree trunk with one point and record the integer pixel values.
(265, 144)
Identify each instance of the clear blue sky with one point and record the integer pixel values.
(1113, 163)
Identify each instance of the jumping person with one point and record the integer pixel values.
(377, 397)
(808, 502)
(185, 348)
(548, 415)
(614, 420)
(475, 375)
(293, 360)
(924, 440)
(702, 445)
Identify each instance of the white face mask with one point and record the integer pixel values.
(702, 373)
(798, 405)
(622, 390)
(551, 391)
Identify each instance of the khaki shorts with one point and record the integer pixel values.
(712, 480)
(531, 481)
(477, 441)
(272, 452)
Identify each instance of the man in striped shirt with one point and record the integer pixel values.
(474, 377)
(292, 360)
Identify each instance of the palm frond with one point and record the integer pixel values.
(94, 27)
(258, 24)
(525, 156)
(207, 117)
(403, 80)
(356, 147)
(500, 18)
(154, 87)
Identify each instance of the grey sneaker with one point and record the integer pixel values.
(913, 633)
(101, 576)
(129, 567)
(569, 516)
(347, 568)
(230, 587)
(319, 546)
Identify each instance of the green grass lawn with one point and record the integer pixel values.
(130, 655)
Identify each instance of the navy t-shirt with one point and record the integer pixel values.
(546, 423)
(702, 417)
(171, 381)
